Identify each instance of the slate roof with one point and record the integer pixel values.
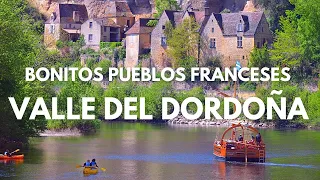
(141, 27)
(174, 16)
(64, 13)
(228, 22)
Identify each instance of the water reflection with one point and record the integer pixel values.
(145, 151)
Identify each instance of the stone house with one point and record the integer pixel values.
(159, 56)
(64, 23)
(120, 13)
(232, 36)
(96, 30)
(138, 41)
(158, 40)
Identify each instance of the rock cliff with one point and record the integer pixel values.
(141, 8)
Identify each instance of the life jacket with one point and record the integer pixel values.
(87, 164)
(93, 163)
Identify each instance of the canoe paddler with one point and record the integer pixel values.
(7, 153)
(87, 164)
(94, 164)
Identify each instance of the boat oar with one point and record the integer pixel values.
(17, 150)
(103, 169)
(79, 166)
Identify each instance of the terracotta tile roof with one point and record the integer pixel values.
(228, 22)
(141, 27)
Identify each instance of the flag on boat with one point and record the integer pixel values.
(238, 65)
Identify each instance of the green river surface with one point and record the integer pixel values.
(159, 151)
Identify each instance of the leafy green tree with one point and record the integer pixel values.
(297, 43)
(162, 5)
(183, 41)
(260, 58)
(274, 9)
(19, 48)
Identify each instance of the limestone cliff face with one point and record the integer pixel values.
(94, 7)
(141, 8)
(215, 5)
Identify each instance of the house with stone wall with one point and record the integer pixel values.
(138, 41)
(233, 36)
(158, 39)
(64, 23)
(96, 30)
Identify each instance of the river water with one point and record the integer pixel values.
(158, 151)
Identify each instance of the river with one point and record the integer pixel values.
(159, 151)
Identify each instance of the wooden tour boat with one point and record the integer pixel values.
(245, 150)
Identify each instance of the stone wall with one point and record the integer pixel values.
(158, 52)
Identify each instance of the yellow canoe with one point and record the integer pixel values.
(90, 171)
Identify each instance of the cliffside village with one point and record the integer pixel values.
(232, 36)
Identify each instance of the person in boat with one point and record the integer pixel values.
(94, 164)
(240, 138)
(258, 138)
(87, 164)
(7, 153)
(252, 140)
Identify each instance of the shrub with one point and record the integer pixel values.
(111, 45)
(105, 65)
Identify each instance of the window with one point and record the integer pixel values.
(258, 44)
(90, 24)
(212, 43)
(239, 27)
(51, 29)
(90, 37)
(212, 30)
(163, 27)
(242, 57)
(239, 42)
(261, 29)
(128, 23)
(70, 26)
(163, 41)
(105, 28)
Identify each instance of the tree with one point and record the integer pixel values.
(260, 57)
(162, 5)
(297, 43)
(19, 48)
(274, 9)
(183, 41)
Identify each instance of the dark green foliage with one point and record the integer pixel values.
(111, 45)
(260, 58)
(162, 5)
(152, 23)
(19, 48)
(274, 9)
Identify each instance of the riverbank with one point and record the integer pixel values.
(61, 133)
(180, 120)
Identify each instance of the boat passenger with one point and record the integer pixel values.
(87, 164)
(240, 138)
(252, 140)
(258, 138)
(94, 165)
(7, 153)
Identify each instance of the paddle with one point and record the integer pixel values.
(17, 150)
(103, 169)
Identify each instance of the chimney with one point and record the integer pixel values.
(207, 11)
(76, 16)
